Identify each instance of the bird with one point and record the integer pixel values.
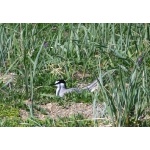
(61, 89)
(92, 86)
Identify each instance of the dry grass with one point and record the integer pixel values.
(7, 78)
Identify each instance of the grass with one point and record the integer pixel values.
(39, 54)
(72, 121)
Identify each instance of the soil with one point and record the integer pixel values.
(54, 110)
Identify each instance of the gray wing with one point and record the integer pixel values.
(92, 86)
(70, 91)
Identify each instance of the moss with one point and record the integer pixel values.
(8, 111)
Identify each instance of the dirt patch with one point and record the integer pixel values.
(53, 110)
(24, 114)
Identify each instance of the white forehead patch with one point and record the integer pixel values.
(56, 82)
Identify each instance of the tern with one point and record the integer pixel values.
(61, 89)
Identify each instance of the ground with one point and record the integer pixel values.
(54, 110)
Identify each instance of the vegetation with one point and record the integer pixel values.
(39, 54)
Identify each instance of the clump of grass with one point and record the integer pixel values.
(10, 122)
(127, 96)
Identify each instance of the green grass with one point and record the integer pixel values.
(72, 121)
(119, 54)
